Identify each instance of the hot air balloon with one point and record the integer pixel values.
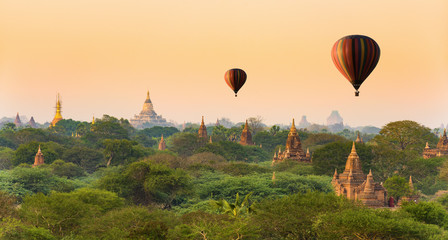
(235, 78)
(355, 56)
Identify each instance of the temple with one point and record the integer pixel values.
(39, 158)
(355, 185)
(358, 139)
(162, 144)
(148, 117)
(293, 149)
(246, 136)
(57, 116)
(17, 121)
(413, 196)
(32, 123)
(202, 132)
(440, 150)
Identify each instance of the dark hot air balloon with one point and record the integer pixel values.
(235, 78)
(355, 56)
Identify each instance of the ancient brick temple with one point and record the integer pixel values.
(17, 121)
(293, 149)
(162, 144)
(246, 136)
(202, 133)
(355, 185)
(412, 197)
(58, 115)
(39, 158)
(440, 150)
(32, 123)
(148, 117)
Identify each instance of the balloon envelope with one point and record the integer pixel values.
(355, 56)
(235, 78)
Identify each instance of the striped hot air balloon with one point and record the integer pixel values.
(355, 56)
(235, 78)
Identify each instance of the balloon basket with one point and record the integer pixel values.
(357, 94)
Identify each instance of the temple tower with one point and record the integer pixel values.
(440, 150)
(148, 117)
(57, 116)
(358, 139)
(202, 133)
(39, 158)
(246, 136)
(17, 121)
(162, 144)
(32, 123)
(293, 149)
(355, 185)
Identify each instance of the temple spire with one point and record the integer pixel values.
(358, 139)
(353, 148)
(370, 187)
(162, 144)
(202, 130)
(444, 132)
(17, 121)
(411, 185)
(58, 115)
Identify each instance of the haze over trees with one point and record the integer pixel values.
(110, 181)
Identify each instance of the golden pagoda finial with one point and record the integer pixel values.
(147, 95)
(93, 120)
(202, 123)
(427, 145)
(38, 151)
(370, 172)
(353, 148)
(246, 126)
(58, 115)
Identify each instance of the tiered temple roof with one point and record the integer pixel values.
(440, 150)
(202, 133)
(246, 136)
(39, 158)
(355, 185)
(293, 149)
(148, 117)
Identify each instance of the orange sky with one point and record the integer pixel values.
(102, 56)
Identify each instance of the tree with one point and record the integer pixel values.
(397, 187)
(256, 124)
(6, 156)
(118, 151)
(58, 212)
(427, 212)
(237, 209)
(84, 157)
(186, 143)
(69, 170)
(406, 135)
(274, 130)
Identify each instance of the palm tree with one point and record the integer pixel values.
(236, 209)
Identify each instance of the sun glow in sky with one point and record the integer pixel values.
(102, 56)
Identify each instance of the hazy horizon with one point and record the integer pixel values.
(102, 56)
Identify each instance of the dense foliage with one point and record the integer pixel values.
(109, 181)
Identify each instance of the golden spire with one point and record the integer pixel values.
(427, 145)
(246, 127)
(39, 151)
(444, 132)
(58, 115)
(202, 123)
(370, 186)
(353, 148)
(147, 95)
(93, 120)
